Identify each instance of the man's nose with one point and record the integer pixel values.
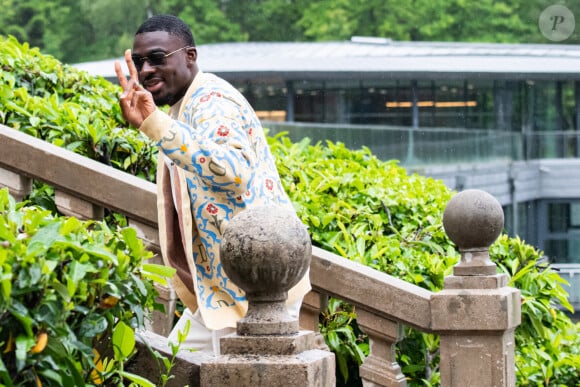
(147, 68)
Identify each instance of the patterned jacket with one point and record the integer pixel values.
(220, 164)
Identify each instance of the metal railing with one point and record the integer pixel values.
(420, 146)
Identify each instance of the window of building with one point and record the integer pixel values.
(562, 243)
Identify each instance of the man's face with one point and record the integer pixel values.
(165, 77)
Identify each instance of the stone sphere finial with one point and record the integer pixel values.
(266, 250)
(473, 219)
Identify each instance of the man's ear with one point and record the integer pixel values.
(192, 54)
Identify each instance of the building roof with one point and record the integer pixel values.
(365, 58)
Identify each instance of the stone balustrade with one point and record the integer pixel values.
(475, 315)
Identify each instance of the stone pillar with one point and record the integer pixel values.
(265, 251)
(476, 313)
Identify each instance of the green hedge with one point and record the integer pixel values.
(375, 213)
(355, 205)
(72, 294)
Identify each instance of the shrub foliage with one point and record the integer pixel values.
(67, 107)
(66, 287)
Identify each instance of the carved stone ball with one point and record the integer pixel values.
(473, 219)
(266, 250)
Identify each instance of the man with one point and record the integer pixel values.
(214, 162)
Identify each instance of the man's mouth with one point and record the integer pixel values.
(153, 85)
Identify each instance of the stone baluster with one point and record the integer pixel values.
(265, 251)
(18, 185)
(71, 205)
(313, 305)
(158, 322)
(476, 312)
(380, 367)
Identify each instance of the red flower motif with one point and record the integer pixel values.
(251, 131)
(205, 98)
(212, 209)
(269, 184)
(238, 198)
(202, 160)
(207, 269)
(223, 131)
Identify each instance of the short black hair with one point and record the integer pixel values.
(170, 24)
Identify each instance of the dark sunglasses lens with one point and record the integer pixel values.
(156, 58)
(138, 62)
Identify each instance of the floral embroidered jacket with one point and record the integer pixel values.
(220, 165)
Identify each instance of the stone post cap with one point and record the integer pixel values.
(473, 219)
(266, 250)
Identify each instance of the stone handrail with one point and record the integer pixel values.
(384, 304)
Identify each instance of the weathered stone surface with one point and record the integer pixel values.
(18, 185)
(266, 250)
(74, 206)
(476, 310)
(268, 345)
(473, 219)
(476, 282)
(314, 368)
(476, 313)
(478, 360)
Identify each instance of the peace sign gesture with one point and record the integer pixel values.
(136, 102)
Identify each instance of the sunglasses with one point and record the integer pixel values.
(155, 58)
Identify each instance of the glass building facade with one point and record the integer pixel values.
(524, 106)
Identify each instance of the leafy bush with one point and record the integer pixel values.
(66, 287)
(375, 213)
(67, 107)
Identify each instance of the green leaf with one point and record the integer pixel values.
(141, 381)
(123, 340)
(44, 239)
(78, 271)
(93, 325)
(70, 225)
(160, 270)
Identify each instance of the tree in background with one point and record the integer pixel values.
(83, 30)
(268, 20)
(207, 19)
(513, 21)
(93, 29)
(27, 20)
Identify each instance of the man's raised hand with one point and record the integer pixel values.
(136, 102)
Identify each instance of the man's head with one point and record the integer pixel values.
(165, 56)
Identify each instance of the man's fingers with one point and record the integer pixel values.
(130, 86)
(133, 74)
(120, 75)
(139, 98)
